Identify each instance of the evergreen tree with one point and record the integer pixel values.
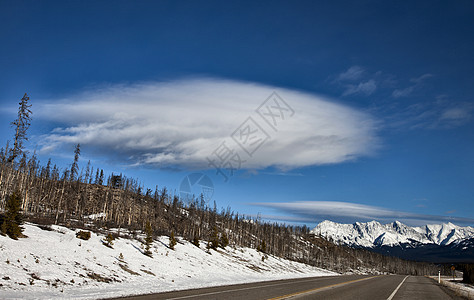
(262, 247)
(101, 177)
(196, 241)
(116, 181)
(109, 240)
(47, 170)
(91, 175)
(2, 155)
(74, 166)
(13, 217)
(214, 241)
(88, 172)
(21, 124)
(148, 238)
(172, 241)
(224, 240)
(96, 181)
(468, 274)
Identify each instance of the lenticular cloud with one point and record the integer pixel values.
(198, 123)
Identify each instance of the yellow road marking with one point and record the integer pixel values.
(245, 288)
(320, 288)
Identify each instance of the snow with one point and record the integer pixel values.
(373, 233)
(56, 264)
(95, 216)
(460, 288)
(445, 234)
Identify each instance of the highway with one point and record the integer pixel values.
(386, 287)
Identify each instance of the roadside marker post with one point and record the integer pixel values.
(439, 276)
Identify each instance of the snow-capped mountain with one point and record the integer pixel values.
(374, 234)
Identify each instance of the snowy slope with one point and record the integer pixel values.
(445, 234)
(373, 233)
(56, 264)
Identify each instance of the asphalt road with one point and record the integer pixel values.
(389, 287)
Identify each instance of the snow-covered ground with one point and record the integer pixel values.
(460, 288)
(56, 264)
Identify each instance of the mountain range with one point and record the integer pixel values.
(435, 243)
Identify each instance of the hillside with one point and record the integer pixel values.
(115, 201)
(53, 263)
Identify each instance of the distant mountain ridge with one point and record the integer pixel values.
(437, 243)
(373, 233)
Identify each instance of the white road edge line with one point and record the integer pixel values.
(396, 290)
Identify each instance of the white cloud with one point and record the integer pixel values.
(456, 114)
(353, 73)
(398, 93)
(405, 92)
(421, 78)
(366, 88)
(351, 212)
(352, 80)
(180, 123)
(440, 114)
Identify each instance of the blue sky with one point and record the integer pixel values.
(376, 100)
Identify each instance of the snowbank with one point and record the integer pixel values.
(459, 288)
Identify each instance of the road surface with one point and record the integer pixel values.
(387, 287)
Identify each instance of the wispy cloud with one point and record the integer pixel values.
(421, 79)
(351, 212)
(180, 123)
(398, 93)
(365, 88)
(439, 114)
(359, 81)
(283, 174)
(351, 74)
(416, 83)
(356, 81)
(456, 114)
